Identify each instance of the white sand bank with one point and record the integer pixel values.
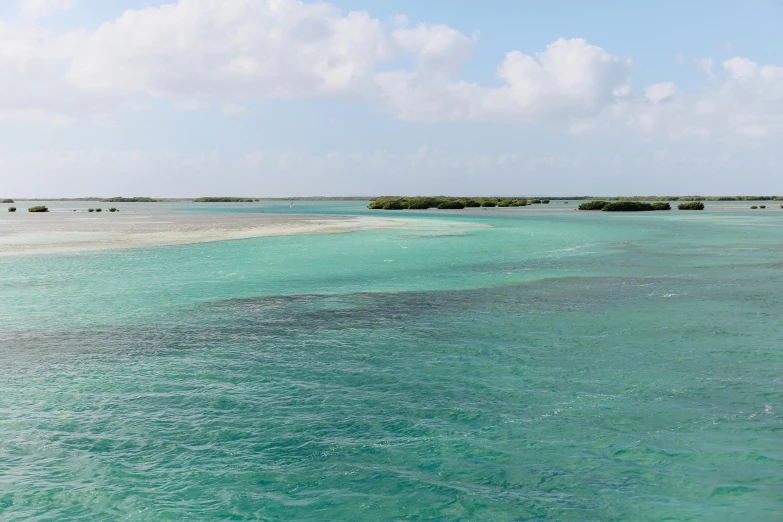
(63, 232)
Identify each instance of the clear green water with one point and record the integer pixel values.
(557, 366)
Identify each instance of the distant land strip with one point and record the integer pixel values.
(453, 202)
(378, 199)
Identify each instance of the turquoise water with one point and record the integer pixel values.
(562, 366)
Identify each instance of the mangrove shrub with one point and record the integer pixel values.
(593, 205)
(393, 205)
(451, 205)
(39, 208)
(628, 206)
(13, 209)
(129, 200)
(694, 205)
(223, 200)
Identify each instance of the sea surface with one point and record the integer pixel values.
(555, 365)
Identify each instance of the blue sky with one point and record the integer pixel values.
(370, 97)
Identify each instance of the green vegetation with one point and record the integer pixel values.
(634, 206)
(593, 205)
(590, 203)
(39, 208)
(129, 200)
(98, 210)
(695, 205)
(624, 206)
(90, 210)
(426, 202)
(13, 209)
(754, 207)
(224, 200)
(763, 206)
(451, 205)
(7, 201)
(113, 209)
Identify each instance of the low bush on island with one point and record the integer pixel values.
(113, 209)
(98, 210)
(624, 206)
(754, 207)
(633, 206)
(451, 205)
(39, 208)
(90, 210)
(393, 205)
(13, 209)
(7, 201)
(224, 200)
(763, 206)
(129, 200)
(593, 205)
(444, 202)
(694, 205)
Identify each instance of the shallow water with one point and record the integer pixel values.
(558, 365)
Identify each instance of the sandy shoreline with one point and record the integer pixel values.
(66, 232)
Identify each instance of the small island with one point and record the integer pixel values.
(694, 205)
(608, 204)
(624, 206)
(224, 200)
(130, 200)
(7, 201)
(448, 203)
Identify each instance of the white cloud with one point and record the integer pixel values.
(570, 79)
(659, 92)
(197, 53)
(241, 48)
(744, 108)
(35, 9)
(233, 109)
(190, 105)
(35, 117)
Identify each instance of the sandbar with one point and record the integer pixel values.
(68, 232)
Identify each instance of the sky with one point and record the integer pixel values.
(275, 98)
